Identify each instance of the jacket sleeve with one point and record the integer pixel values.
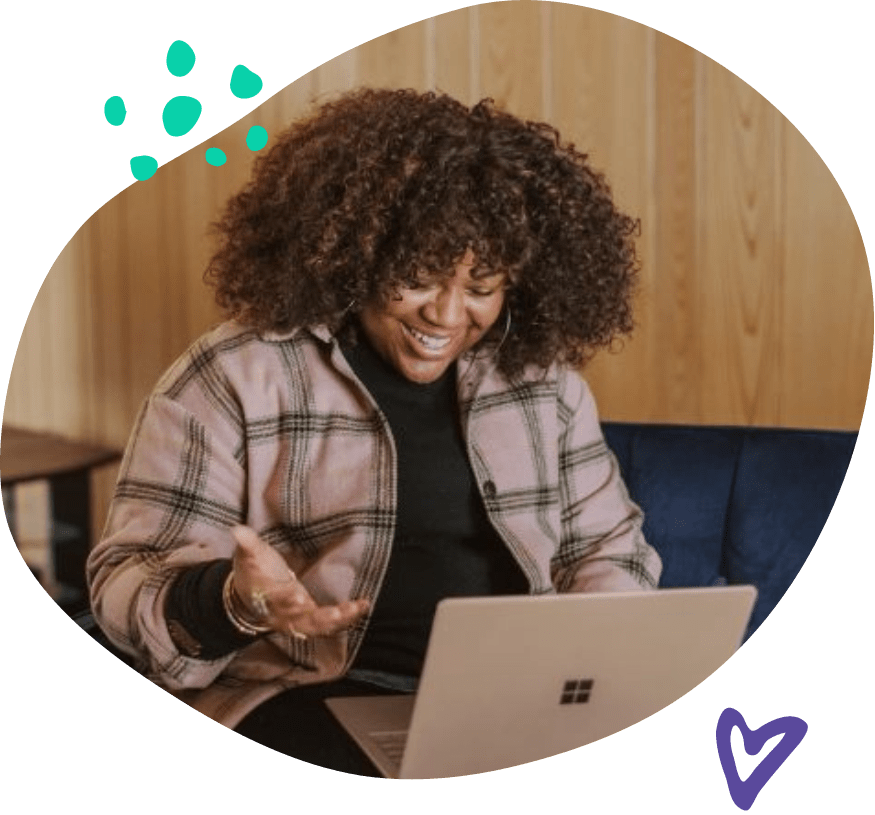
(181, 487)
(602, 547)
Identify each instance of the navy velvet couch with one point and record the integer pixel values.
(729, 505)
(724, 505)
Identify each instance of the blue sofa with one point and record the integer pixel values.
(724, 505)
(728, 505)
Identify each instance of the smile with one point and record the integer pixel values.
(426, 340)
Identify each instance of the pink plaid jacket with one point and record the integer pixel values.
(276, 431)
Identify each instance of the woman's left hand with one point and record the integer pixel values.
(273, 595)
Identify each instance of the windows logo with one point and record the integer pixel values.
(576, 691)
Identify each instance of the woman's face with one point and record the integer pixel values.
(429, 326)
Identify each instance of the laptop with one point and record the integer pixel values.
(508, 680)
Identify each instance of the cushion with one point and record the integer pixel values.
(785, 488)
(731, 504)
(682, 478)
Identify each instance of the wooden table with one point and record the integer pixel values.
(27, 455)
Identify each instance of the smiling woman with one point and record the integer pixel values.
(429, 324)
(390, 416)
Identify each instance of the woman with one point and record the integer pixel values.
(390, 416)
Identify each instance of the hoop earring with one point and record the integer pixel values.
(485, 347)
(506, 332)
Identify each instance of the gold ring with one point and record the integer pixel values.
(258, 599)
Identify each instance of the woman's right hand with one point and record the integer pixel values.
(263, 582)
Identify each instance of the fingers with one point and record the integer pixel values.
(247, 539)
(275, 596)
(258, 565)
(289, 600)
(323, 621)
(252, 548)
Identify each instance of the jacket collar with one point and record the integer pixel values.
(321, 332)
(473, 366)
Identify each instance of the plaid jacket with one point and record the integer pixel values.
(276, 431)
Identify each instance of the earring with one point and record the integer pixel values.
(506, 331)
(346, 311)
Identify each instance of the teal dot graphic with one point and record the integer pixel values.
(256, 138)
(114, 110)
(143, 167)
(215, 157)
(180, 58)
(180, 115)
(244, 83)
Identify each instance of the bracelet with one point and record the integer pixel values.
(232, 605)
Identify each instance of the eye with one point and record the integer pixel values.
(484, 291)
(419, 285)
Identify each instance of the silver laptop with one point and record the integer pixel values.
(509, 680)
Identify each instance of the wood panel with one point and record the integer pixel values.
(113, 396)
(602, 99)
(673, 321)
(453, 59)
(740, 219)
(511, 62)
(336, 75)
(290, 102)
(755, 304)
(145, 330)
(396, 59)
(198, 208)
(826, 336)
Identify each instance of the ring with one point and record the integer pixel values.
(258, 599)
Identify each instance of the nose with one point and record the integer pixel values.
(446, 308)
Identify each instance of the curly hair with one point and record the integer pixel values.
(379, 187)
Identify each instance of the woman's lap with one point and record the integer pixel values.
(298, 724)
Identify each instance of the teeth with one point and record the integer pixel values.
(432, 343)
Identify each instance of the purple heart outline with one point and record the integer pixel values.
(745, 792)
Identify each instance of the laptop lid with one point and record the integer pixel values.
(509, 680)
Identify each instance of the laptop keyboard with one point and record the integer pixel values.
(391, 742)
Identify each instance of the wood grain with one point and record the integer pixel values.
(740, 218)
(453, 57)
(755, 304)
(671, 321)
(511, 62)
(394, 60)
(336, 75)
(603, 102)
(827, 299)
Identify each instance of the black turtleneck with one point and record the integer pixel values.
(444, 545)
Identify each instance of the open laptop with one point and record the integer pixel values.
(509, 680)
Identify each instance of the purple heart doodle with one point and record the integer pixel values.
(744, 793)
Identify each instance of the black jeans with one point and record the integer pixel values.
(297, 723)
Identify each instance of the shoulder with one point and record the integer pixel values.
(573, 394)
(232, 356)
(233, 375)
(558, 385)
(562, 384)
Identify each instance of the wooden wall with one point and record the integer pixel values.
(756, 302)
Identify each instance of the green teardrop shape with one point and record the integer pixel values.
(180, 58)
(244, 83)
(216, 157)
(256, 138)
(180, 115)
(143, 167)
(114, 110)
